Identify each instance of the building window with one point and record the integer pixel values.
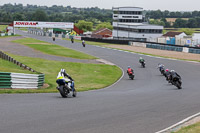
(128, 12)
(130, 20)
(155, 31)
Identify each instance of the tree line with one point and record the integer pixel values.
(95, 15)
(158, 14)
(18, 12)
(179, 23)
(184, 19)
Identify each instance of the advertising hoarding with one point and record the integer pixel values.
(37, 24)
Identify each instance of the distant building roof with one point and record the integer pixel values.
(100, 30)
(172, 34)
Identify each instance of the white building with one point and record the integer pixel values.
(196, 39)
(128, 23)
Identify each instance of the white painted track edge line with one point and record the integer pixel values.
(179, 123)
(117, 80)
(150, 55)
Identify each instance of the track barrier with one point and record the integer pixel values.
(21, 80)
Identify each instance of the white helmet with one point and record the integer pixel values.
(62, 70)
(140, 57)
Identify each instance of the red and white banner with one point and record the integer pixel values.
(36, 24)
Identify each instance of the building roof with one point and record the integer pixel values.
(172, 34)
(140, 25)
(127, 7)
(100, 30)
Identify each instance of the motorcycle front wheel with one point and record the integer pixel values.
(74, 93)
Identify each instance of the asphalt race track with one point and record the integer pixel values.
(144, 105)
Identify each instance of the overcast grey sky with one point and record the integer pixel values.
(172, 5)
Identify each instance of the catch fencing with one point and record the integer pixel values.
(21, 80)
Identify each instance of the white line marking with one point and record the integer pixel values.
(169, 129)
(150, 55)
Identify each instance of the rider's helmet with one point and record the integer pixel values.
(129, 67)
(83, 41)
(172, 71)
(62, 70)
(167, 70)
(141, 58)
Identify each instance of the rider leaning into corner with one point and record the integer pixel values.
(141, 60)
(167, 73)
(160, 66)
(174, 74)
(62, 74)
(130, 70)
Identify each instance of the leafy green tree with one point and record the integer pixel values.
(84, 25)
(167, 24)
(40, 15)
(18, 17)
(180, 23)
(166, 14)
(192, 23)
(104, 25)
(156, 22)
(187, 31)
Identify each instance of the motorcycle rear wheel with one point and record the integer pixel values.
(178, 85)
(63, 91)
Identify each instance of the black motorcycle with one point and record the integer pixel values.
(72, 40)
(162, 71)
(131, 76)
(83, 43)
(143, 64)
(177, 82)
(65, 87)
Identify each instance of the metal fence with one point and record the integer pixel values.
(20, 80)
(165, 47)
(8, 58)
(173, 48)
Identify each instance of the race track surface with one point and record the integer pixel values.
(144, 105)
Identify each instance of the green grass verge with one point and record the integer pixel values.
(195, 30)
(3, 27)
(53, 49)
(195, 128)
(9, 36)
(86, 76)
(23, 29)
(6, 66)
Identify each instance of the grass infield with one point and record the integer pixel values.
(53, 49)
(86, 76)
